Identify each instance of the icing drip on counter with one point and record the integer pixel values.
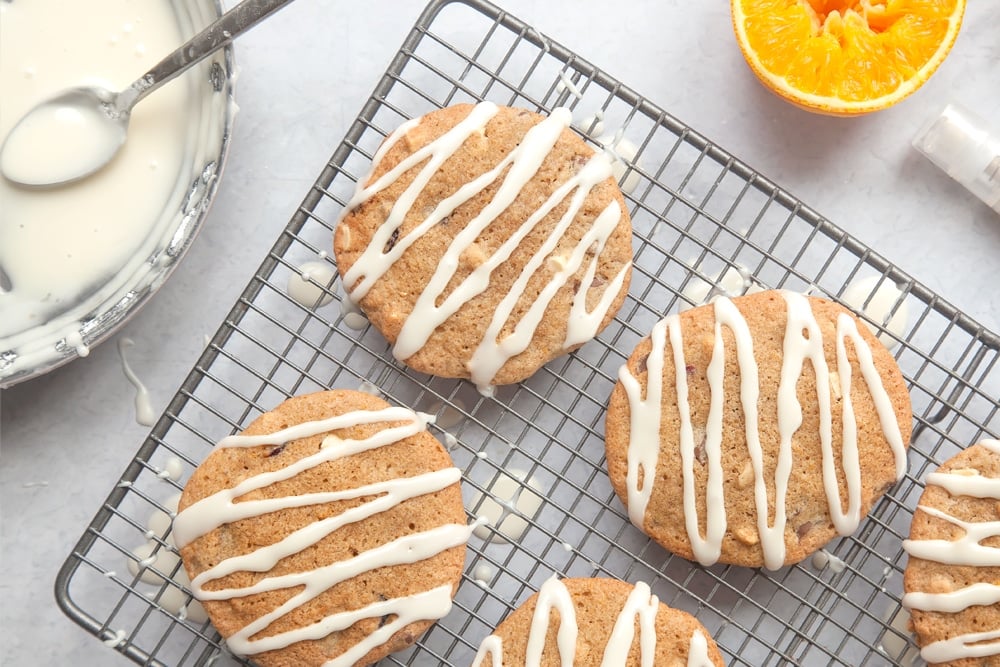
(220, 508)
(646, 422)
(641, 605)
(965, 551)
(144, 413)
(520, 165)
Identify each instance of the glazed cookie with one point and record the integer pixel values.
(753, 430)
(952, 579)
(330, 532)
(597, 622)
(486, 242)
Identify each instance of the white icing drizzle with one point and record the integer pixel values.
(772, 538)
(698, 652)
(520, 166)
(823, 558)
(641, 605)
(553, 594)
(975, 486)
(220, 508)
(981, 593)
(482, 574)
(965, 551)
(644, 423)
(969, 645)
(846, 328)
(493, 647)
(646, 420)
(307, 286)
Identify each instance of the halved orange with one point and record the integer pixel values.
(845, 57)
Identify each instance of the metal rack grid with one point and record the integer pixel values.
(698, 213)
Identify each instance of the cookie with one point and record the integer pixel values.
(486, 242)
(753, 430)
(330, 532)
(952, 578)
(603, 622)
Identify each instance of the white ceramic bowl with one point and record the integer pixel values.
(74, 330)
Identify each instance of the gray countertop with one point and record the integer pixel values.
(67, 436)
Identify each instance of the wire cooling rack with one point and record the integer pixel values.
(701, 217)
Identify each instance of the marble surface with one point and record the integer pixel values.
(305, 73)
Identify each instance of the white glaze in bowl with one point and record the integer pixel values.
(67, 330)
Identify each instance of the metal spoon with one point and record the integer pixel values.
(85, 127)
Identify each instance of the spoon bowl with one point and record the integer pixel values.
(65, 138)
(77, 132)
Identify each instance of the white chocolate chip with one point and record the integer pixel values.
(835, 385)
(746, 535)
(556, 263)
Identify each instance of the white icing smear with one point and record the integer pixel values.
(172, 470)
(892, 643)
(221, 508)
(885, 306)
(734, 281)
(164, 558)
(823, 559)
(449, 415)
(802, 342)
(307, 286)
(116, 639)
(369, 387)
(353, 317)
(517, 168)
(512, 497)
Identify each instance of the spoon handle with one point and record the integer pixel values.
(225, 29)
